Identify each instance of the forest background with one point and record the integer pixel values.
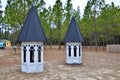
(99, 25)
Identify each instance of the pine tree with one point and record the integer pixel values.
(58, 16)
(68, 9)
(91, 12)
(16, 11)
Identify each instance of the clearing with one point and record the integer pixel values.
(96, 66)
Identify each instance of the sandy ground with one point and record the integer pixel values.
(96, 66)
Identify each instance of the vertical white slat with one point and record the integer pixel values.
(72, 51)
(77, 46)
(35, 55)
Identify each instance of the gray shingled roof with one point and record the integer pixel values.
(73, 33)
(32, 28)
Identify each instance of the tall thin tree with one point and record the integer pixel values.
(58, 15)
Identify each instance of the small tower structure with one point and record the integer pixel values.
(73, 39)
(32, 37)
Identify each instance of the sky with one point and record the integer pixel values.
(76, 3)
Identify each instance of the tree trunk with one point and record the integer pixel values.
(89, 42)
(95, 34)
(50, 38)
(103, 42)
(59, 40)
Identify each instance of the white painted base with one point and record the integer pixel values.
(32, 68)
(73, 61)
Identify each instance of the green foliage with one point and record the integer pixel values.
(58, 17)
(57, 13)
(68, 10)
(1, 16)
(99, 24)
(104, 22)
(16, 11)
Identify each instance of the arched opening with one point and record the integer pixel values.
(39, 54)
(79, 51)
(32, 54)
(75, 51)
(69, 49)
(24, 54)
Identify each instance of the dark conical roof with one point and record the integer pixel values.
(73, 34)
(32, 28)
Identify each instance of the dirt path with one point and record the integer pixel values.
(96, 66)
